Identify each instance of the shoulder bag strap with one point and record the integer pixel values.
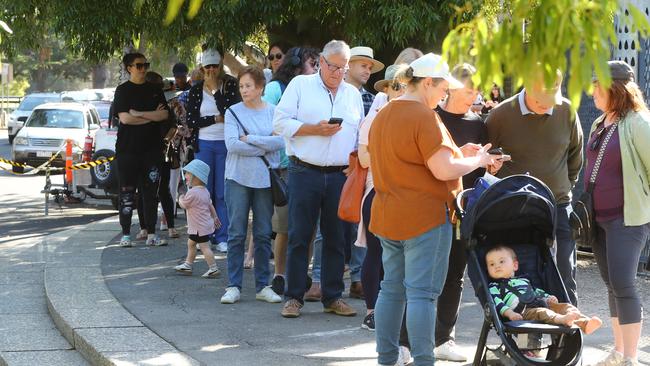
(266, 162)
(599, 158)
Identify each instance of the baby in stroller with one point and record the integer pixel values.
(516, 298)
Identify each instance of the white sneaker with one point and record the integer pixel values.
(404, 357)
(184, 268)
(222, 247)
(125, 242)
(231, 296)
(155, 241)
(614, 358)
(213, 272)
(268, 295)
(449, 351)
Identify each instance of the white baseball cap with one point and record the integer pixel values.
(433, 66)
(210, 57)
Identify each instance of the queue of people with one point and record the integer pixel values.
(421, 140)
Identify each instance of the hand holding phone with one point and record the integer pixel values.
(335, 121)
(499, 151)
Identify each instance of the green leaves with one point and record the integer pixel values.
(508, 38)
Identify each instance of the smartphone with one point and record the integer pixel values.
(496, 151)
(335, 121)
(499, 151)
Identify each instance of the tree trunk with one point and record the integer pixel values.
(99, 75)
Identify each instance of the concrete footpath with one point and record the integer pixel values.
(186, 312)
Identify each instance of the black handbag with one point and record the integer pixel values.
(279, 187)
(582, 220)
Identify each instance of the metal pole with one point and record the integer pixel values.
(48, 184)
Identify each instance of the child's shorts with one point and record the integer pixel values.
(199, 239)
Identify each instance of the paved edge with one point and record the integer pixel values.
(86, 312)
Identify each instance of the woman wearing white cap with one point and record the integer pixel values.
(206, 105)
(416, 171)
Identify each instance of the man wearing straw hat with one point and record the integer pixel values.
(362, 65)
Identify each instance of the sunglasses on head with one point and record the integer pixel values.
(277, 56)
(207, 67)
(397, 86)
(141, 65)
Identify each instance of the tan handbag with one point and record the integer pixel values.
(353, 190)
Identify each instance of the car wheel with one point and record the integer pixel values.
(17, 169)
(104, 175)
(11, 139)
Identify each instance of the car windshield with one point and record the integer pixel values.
(103, 110)
(56, 118)
(31, 102)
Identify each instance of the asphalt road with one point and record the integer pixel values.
(22, 205)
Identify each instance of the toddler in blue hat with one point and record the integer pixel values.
(200, 225)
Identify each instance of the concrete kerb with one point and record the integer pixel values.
(86, 312)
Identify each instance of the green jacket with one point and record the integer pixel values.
(634, 135)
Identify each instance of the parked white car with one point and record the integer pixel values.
(47, 129)
(18, 117)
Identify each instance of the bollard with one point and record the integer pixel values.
(68, 164)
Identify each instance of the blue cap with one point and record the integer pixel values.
(198, 169)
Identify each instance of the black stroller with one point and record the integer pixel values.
(518, 211)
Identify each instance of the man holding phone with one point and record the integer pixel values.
(544, 137)
(319, 117)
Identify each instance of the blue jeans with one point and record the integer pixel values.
(241, 200)
(312, 192)
(356, 259)
(318, 251)
(214, 154)
(566, 255)
(414, 273)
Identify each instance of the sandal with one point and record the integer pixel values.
(142, 235)
(172, 233)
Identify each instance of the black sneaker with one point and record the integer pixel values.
(277, 285)
(369, 322)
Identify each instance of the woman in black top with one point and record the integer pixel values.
(206, 106)
(465, 127)
(140, 106)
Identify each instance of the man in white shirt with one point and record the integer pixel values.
(318, 147)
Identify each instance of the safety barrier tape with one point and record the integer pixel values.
(92, 164)
(79, 166)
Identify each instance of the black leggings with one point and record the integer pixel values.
(372, 271)
(140, 171)
(164, 195)
(617, 251)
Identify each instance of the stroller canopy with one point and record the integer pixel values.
(512, 203)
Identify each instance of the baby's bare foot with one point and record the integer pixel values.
(567, 319)
(593, 324)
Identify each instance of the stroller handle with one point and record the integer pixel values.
(460, 202)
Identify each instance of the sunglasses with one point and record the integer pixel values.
(314, 63)
(208, 67)
(596, 141)
(278, 56)
(141, 65)
(397, 86)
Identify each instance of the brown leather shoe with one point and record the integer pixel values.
(291, 309)
(339, 307)
(314, 294)
(356, 291)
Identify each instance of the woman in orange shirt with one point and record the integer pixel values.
(416, 169)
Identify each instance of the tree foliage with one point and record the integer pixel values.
(508, 38)
(97, 29)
